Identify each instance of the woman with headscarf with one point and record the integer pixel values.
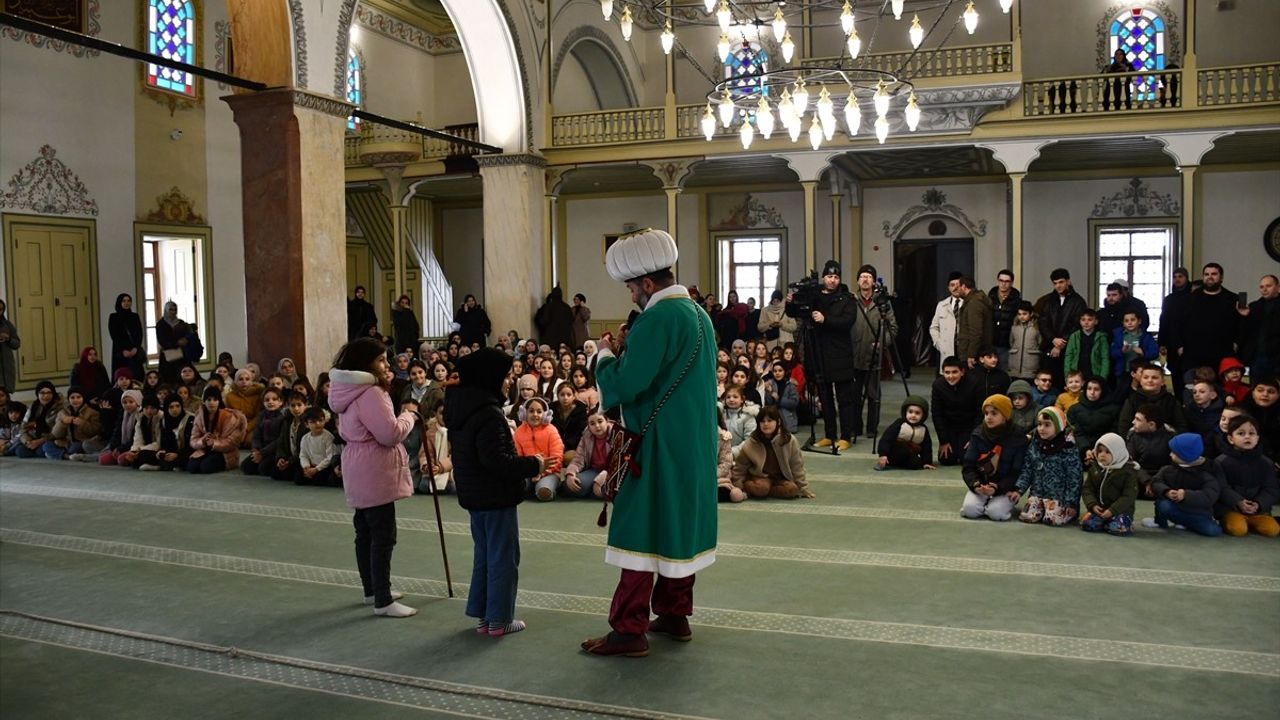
(9, 342)
(554, 320)
(473, 321)
(90, 375)
(404, 325)
(127, 341)
(172, 337)
(360, 315)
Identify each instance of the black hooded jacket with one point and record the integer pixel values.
(125, 329)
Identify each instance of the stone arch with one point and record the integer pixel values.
(604, 65)
(270, 42)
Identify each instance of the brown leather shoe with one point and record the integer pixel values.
(617, 644)
(675, 627)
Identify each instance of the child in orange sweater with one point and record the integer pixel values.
(537, 436)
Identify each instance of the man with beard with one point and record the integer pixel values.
(1171, 310)
(1005, 299)
(1059, 317)
(832, 320)
(1209, 324)
(974, 326)
(874, 329)
(1260, 330)
(1117, 302)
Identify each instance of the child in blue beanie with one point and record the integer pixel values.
(1187, 490)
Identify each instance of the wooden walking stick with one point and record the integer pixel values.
(435, 499)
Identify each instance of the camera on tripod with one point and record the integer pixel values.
(880, 296)
(804, 298)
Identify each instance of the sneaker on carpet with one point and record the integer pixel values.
(395, 610)
(76, 457)
(514, 626)
(843, 445)
(824, 442)
(1151, 523)
(149, 468)
(368, 599)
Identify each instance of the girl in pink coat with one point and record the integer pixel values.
(375, 466)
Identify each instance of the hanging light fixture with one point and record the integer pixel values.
(897, 9)
(668, 38)
(815, 133)
(846, 18)
(882, 129)
(710, 5)
(606, 8)
(852, 114)
(709, 123)
(724, 16)
(779, 24)
(786, 110)
(912, 113)
(826, 109)
(800, 98)
(971, 18)
(727, 108)
(916, 32)
(764, 118)
(855, 44)
(794, 130)
(788, 47)
(1006, 6)
(746, 134)
(625, 23)
(723, 47)
(881, 99)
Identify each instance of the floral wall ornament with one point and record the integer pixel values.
(297, 16)
(373, 19)
(175, 208)
(221, 34)
(92, 27)
(48, 187)
(748, 214)
(1137, 199)
(934, 202)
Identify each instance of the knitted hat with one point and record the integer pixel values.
(137, 395)
(122, 372)
(634, 256)
(1114, 445)
(485, 369)
(1018, 386)
(1187, 446)
(916, 401)
(1055, 416)
(75, 389)
(870, 270)
(524, 381)
(831, 268)
(1001, 403)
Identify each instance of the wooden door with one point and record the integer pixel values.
(52, 291)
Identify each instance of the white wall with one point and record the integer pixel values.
(1237, 208)
(399, 80)
(1058, 42)
(573, 91)
(455, 99)
(462, 258)
(589, 220)
(1244, 34)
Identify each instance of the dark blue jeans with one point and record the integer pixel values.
(375, 539)
(495, 569)
(1168, 511)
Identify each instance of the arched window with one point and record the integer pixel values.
(744, 66)
(172, 33)
(355, 85)
(1140, 33)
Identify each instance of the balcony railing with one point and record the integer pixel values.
(372, 133)
(1094, 94)
(608, 127)
(1238, 85)
(945, 62)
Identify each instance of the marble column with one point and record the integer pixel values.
(515, 253)
(835, 224)
(294, 225)
(810, 233)
(1015, 222)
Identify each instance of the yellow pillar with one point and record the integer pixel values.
(1191, 249)
(810, 239)
(835, 226)
(673, 196)
(397, 245)
(855, 236)
(1015, 222)
(550, 274)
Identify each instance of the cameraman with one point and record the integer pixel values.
(832, 317)
(874, 329)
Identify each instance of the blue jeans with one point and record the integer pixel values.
(495, 568)
(51, 450)
(22, 451)
(586, 478)
(546, 482)
(1168, 511)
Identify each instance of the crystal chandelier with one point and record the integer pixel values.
(761, 100)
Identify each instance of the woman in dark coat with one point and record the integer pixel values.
(171, 334)
(9, 342)
(405, 327)
(473, 322)
(554, 320)
(127, 342)
(360, 315)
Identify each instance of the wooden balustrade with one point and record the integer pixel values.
(1238, 85)
(689, 123)
(372, 133)
(608, 127)
(944, 62)
(1106, 93)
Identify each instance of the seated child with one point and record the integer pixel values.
(569, 418)
(216, 437)
(993, 462)
(114, 450)
(1088, 351)
(11, 432)
(906, 443)
(1092, 417)
(1124, 390)
(780, 391)
(1203, 412)
(316, 452)
(526, 389)
(1187, 490)
(1263, 405)
(265, 434)
(1044, 394)
(536, 436)
(739, 417)
(1216, 443)
(1231, 374)
(1024, 409)
(147, 435)
(745, 378)
(43, 414)
(175, 438)
(956, 410)
(1110, 488)
(1131, 342)
(587, 471)
(1069, 397)
(1051, 473)
(289, 439)
(1249, 486)
(1148, 443)
(726, 490)
(769, 462)
(435, 461)
(78, 423)
(987, 376)
(1151, 391)
(1024, 343)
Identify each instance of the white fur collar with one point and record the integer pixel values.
(667, 292)
(352, 377)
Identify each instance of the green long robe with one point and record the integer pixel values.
(664, 519)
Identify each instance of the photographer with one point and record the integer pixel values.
(831, 313)
(874, 329)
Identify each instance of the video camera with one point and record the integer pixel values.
(804, 298)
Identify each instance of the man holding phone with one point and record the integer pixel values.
(1210, 323)
(1260, 330)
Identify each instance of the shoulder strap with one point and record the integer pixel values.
(697, 350)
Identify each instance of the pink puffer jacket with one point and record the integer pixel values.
(375, 466)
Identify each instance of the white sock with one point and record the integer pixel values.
(395, 610)
(368, 599)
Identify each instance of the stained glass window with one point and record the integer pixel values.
(355, 86)
(1140, 33)
(171, 34)
(744, 66)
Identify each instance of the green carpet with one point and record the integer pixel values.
(873, 600)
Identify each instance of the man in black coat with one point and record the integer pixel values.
(1059, 317)
(1209, 325)
(1114, 306)
(832, 322)
(1005, 299)
(1174, 305)
(1260, 331)
(360, 315)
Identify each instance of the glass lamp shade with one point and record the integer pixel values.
(815, 133)
(800, 98)
(855, 44)
(1006, 6)
(764, 118)
(826, 108)
(746, 135)
(897, 9)
(916, 33)
(971, 18)
(788, 47)
(727, 108)
(625, 24)
(881, 99)
(723, 47)
(606, 9)
(882, 129)
(794, 130)
(708, 123)
(668, 38)
(779, 25)
(852, 115)
(724, 16)
(710, 5)
(786, 109)
(846, 18)
(912, 113)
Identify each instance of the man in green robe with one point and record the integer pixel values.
(664, 517)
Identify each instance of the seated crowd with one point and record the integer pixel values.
(1083, 453)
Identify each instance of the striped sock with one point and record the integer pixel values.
(482, 626)
(498, 629)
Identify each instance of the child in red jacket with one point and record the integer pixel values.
(537, 436)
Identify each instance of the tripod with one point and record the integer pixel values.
(812, 360)
(870, 391)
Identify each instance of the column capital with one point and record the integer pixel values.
(509, 159)
(555, 178)
(808, 165)
(1188, 149)
(1016, 155)
(671, 171)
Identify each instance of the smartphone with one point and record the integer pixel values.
(1242, 298)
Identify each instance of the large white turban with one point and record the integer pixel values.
(636, 255)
